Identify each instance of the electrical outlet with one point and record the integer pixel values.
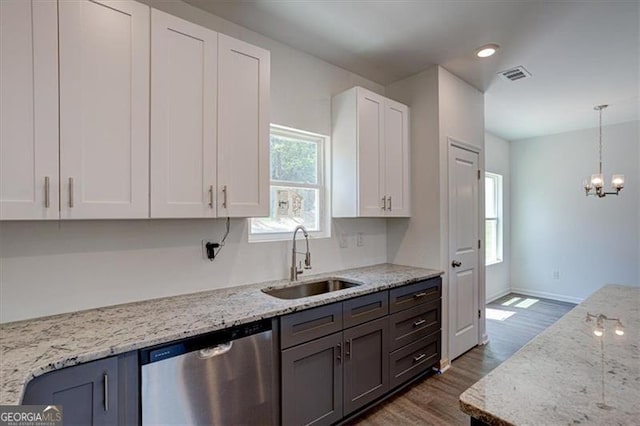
(204, 248)
(344, 242)
(359, 239)
(556, 275)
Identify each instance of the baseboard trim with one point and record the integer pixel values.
(498, 295)
(547, 295)
(484, 340)
(443, 366)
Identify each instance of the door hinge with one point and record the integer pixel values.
(479, 313)
(478, 174)
(479, 244)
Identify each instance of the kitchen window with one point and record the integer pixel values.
(298, 190)
(493, 218)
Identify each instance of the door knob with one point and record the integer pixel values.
(456, 263)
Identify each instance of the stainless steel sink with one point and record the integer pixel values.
(310, 288)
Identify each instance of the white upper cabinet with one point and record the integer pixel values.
(243, 129)
(184, 81)
(104, 109)
(28, 110)
(110, 110)
(370, 155)
(396, 158)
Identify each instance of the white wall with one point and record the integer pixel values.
(442, 106)
(48, 268)
(416, 241)
(496, 160)
(588, 241)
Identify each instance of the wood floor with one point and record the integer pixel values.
(434, 401)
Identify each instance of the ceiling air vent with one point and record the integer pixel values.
(515, 74)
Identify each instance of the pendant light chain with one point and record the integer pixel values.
(600, 111)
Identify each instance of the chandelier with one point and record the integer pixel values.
(595, 186)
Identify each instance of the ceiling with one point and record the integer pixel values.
(580, 54)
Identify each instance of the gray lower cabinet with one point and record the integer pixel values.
(312, 382)
(102, 392)
(366, 364)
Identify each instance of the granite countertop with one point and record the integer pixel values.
(33, 347)
(567, 375)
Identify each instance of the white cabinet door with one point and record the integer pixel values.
(370, 153)
(243, 129)
(104, 109)
(28, 110)
(183, 118)
(396, 158)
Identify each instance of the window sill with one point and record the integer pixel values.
(495, 262)
(285, 236)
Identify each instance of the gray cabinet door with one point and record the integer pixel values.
(365, 308)
(87, 392)
(366, 363)
(304, 326)
(312, 382)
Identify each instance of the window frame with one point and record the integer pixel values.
(498, 219)
(323, 186)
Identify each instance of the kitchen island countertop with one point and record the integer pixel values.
(33, 347)
(567, 375)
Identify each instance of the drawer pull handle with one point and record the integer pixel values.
(105, 383)
(419, 322)
(419, 357)
(47, 200)
(419, 295)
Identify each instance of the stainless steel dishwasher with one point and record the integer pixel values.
(221, 378)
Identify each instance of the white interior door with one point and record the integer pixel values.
(370, 153)
(104, 109)
(463, 250)
(183, 117)
(396, 158)
(243, 129)
(28, 110)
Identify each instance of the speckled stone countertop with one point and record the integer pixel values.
(31, 348)
(567, 375)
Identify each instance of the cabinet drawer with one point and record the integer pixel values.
(412, 324)
(408, 296)
(310, 324)
(365, 308)
(414, 359)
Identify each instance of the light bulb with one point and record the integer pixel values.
(619, 329)
(587, 185)
(617, 181)
(598, 331)
(597, 181)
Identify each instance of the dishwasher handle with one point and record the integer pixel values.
(216, 350)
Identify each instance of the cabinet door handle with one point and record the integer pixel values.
(71, 192)
(389, 198)
(419, 322)
(384, 202)
(105, 382)
(339, 352)
(224, 196)
(419, 295)
(210, 196)
(348, 349)
(419, 357)
(47, 200)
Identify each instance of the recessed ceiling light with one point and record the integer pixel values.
(487, 50)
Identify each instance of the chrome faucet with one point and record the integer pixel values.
(295, 271)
